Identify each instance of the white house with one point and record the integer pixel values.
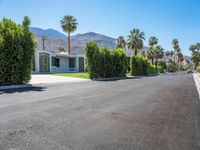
(57, 62)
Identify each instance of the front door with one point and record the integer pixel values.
(44, 63)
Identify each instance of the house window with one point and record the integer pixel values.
(55, 61)
(72, 62)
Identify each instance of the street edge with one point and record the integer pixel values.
(197, 82)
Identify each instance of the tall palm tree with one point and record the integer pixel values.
(175, 46)
(193, 47)
(153, 41)
(158, 53)
(180, 59)
(150, 55)
(135, 40)
(120, 42)
(69, 24)
(195, 54)
(169, 53)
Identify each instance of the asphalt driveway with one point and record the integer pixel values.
(150, 113)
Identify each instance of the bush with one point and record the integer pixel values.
(198, 69)
(162, 66)
(104, 63)
(138, 66)
(17, 46)
(171, 67)
(152, 69)
(128, 59)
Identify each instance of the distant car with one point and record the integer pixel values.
(190, 71)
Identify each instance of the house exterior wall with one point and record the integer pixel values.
(64, 62)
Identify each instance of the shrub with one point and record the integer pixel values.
(171, 67)
(17, 46)
(138, 66)
(104, 63)
(198, 69)
(92, 53)
(152, 69)
(160, 69)
(162, 66)
(128, 59)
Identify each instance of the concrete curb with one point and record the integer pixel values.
(15, 86)
(121, 78)
(197, 82)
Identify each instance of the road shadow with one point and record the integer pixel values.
(22, 90)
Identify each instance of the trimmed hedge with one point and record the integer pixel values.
(138, 66)
(152, 69)
(198, 69)
(17, 46)
(104, 63)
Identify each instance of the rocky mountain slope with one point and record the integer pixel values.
(55, 39)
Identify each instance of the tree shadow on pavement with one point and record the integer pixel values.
(21, 90)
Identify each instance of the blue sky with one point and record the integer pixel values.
(165, 19)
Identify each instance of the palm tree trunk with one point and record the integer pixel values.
(152, 62)
(69, 43)
(136, 52)
(178, 65)
(156, 64)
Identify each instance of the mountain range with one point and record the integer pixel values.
(54, 40)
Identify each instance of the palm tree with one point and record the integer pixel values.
(68, 24)
(175, 46)
(120, 42)
(152, 41)
(180, 59)
(150, 53)
(169, 53)
(135, 40)
(195, 54)
(158, 53)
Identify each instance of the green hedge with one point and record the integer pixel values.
(104, 63)
(198, 69)
(138, 66)
(152, 69)
(17, 47)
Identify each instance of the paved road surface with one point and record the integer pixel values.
(151, 113)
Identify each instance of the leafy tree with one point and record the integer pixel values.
(69, 24)
(135, 40)
(120, 42)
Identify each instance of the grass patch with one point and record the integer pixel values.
(83, 75)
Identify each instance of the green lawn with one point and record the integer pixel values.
(75, 75)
